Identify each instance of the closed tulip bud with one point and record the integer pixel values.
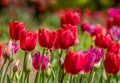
(28, 63)
(7, 53)
(16, 66)
(49, 69)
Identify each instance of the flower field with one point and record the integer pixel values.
(64, 45)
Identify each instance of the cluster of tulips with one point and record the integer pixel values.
(80, 62)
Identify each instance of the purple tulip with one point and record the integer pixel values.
(36, 59)
(15, 47)
(115, 33)
(93, 55)
(113, 11)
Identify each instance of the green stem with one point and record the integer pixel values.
(62, 78)
(6, 72)
(60, 67)
(13, 76)
(81, 77)
(28, 78)
(3, 65)
(91, 76)
(70, 79)
(24, 60)
(25, 79)
(108, 78)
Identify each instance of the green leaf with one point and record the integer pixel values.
(9, 79)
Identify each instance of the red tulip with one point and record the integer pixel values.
(74, 62)
(65, 39)
(85, 25)
(102, 41)
(97, 30)
(114, 47)
(111, 63)
(47, 38)
(110, 22)
(117, 19)
(28, 40)
(70, 18)
(15, 29)
(72, 28)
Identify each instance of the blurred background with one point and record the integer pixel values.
(46, 13)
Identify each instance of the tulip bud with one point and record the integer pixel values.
(16, 66)
(8, 50)
(28, 63)
(49, 69)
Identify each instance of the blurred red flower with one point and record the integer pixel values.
(70, 17)
(74, 62)
(15, 29)
(111, 63)
(102, 41)
(65, 39)
(47, 38)
(28, 40)
(114, 47)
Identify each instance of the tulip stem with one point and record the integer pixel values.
(62, 78)
(91, 76)
(81, 77)
(108, 78)
(70, 79)
(13, 76)
(3, 65)
(6, 72)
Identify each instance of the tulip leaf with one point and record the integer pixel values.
(8, 79)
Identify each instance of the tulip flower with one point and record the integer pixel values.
(112, 63)
(93, 55)
(15, 47)
(102, 41)
(74, 62)
(36, 59)
(47, 38)
(110, 22)
(113, 11)
(65, 39)
(7, 53)
(117, 19)
(69, 17)
(15, 29)
(91, 29)
(114, 47)
(28, 40)
(115, 33)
